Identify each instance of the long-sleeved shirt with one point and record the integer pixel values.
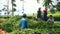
(23, 23)
(51, 20)
(38, 14)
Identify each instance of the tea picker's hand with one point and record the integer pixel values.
(18, 29)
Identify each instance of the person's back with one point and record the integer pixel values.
(39, 14)
(45, 14)
(23, 23)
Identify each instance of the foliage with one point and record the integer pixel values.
(14, 4)
(12, 25)
(47, 2)
(13, 0)
(56, 15)
(14, 9)
(30, 31)
(52, 10)
(58, 6)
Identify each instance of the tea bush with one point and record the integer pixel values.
(12, 24)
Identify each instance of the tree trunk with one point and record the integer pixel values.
(12, 9)
(8, 8)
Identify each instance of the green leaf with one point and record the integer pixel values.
(47, 2)
(14, 9)
(58, 6)
(13, 0)
(14, 4)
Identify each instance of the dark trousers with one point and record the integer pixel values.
(45, 16)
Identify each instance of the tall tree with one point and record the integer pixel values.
(47, 3)
(58, 6)
(13, 9)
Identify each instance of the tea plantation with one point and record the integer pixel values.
(11, 25)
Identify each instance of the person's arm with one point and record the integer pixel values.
(48, 20)
(26, 23)
(53, 20)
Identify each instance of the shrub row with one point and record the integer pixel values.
(13, 24)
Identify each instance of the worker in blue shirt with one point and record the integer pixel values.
(23, 22)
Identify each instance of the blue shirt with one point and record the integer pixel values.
(23, 23)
